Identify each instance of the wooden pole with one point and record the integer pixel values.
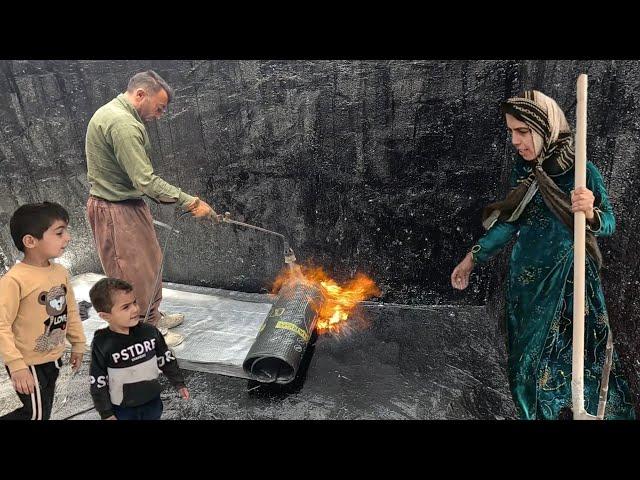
(579, 257)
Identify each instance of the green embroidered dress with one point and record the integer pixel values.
(539, 306)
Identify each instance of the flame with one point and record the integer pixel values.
(338, 301)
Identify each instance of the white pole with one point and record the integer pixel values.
(577, 371)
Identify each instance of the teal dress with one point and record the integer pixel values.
(540, 306)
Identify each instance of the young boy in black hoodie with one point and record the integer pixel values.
(125, 357)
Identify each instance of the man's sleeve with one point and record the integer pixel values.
(128, 146)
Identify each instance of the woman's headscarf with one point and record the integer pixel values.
(553, 145)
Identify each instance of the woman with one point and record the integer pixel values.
(539, 211)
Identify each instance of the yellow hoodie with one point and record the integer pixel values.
(37, 311)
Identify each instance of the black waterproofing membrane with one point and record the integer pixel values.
(283, 338)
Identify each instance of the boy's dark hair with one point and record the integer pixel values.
(101, 293)
(34, 219)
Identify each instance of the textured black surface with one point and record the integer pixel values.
(374, 166)
(370, 166)
(399, 363)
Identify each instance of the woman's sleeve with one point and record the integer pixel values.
(604, 223)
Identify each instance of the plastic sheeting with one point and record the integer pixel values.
(219, 328)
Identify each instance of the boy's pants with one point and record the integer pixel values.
(128, 248)
(149, 411)
(37, 405)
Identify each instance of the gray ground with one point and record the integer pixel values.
(397, 362)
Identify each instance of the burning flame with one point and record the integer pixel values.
(338, 301)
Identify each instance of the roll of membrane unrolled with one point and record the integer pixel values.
(284, 336)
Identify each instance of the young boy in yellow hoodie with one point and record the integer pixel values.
(38, 310)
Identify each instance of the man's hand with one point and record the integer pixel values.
(201, 209)
(23, 381)
(112, 417)
(76, 361)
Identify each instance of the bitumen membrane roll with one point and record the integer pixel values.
(282, 341)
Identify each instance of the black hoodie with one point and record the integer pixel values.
(124, 368)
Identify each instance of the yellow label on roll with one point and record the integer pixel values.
(293, 328)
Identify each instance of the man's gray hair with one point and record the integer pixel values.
(150, 82)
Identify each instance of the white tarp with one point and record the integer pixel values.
(218, 329)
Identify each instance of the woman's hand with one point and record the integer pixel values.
(460, 274)
(582, 201)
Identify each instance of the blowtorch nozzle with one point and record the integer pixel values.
(289, 256)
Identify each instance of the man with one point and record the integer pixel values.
(119, 171)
